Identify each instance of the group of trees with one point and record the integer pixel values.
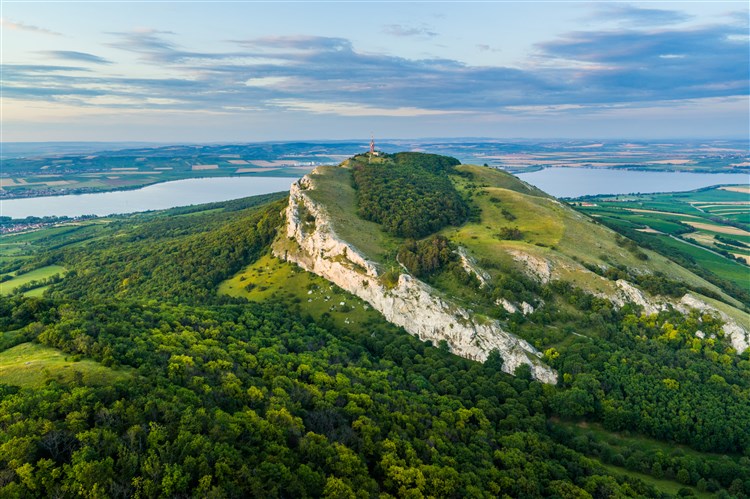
(425, 257)
(707, 472)
(668, 375)
(182, 259)
(409, 194)
(255, 400)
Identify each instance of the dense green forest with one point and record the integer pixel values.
(219, 397)
(409, 194)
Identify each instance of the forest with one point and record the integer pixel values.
(219, 397)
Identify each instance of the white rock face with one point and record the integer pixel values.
(508, 306)
(738, 334)
(471, 268)
(629, 293)
(526, 308)
(537, 267)
(410, 304)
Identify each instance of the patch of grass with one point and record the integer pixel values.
(661, 484)
(36, 292)
(492, 177)
(35, 275)
(270, 279)
(30, 365)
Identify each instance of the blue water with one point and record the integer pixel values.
(153, 197)
(574, 182)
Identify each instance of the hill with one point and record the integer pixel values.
(351, 224)
(248, 376)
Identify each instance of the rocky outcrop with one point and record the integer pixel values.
(410, 303)
(629, 293)
(738, 334)
(471, 268)
(535, 266)
(509, 307)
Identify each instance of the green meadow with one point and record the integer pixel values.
(39, 274)
(30, 365)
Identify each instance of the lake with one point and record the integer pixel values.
(561, 182)
(574, 182)
(153, 197)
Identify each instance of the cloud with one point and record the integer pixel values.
(304, 43)
(628, 65)
(487, 48)
(577, 72)
(75, 56)
(408, 31)
(354, 109)
(17, 26)
(630, 15)
(151, 45)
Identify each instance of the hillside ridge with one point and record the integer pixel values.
(411, 303)
(313, 241)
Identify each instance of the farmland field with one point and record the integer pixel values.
(709, 227)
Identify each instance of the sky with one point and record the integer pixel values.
(255, 71)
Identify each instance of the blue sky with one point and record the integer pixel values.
(234, 71)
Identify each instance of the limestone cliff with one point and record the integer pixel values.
(312, 243)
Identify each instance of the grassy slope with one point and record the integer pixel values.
(661, 484)
(270, 278)
(566, 234)
(30, 365)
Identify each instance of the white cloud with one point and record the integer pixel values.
(354, 109)
(17, 26)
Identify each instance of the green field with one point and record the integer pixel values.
(30, 365)
(19, 248)
(7, 287)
